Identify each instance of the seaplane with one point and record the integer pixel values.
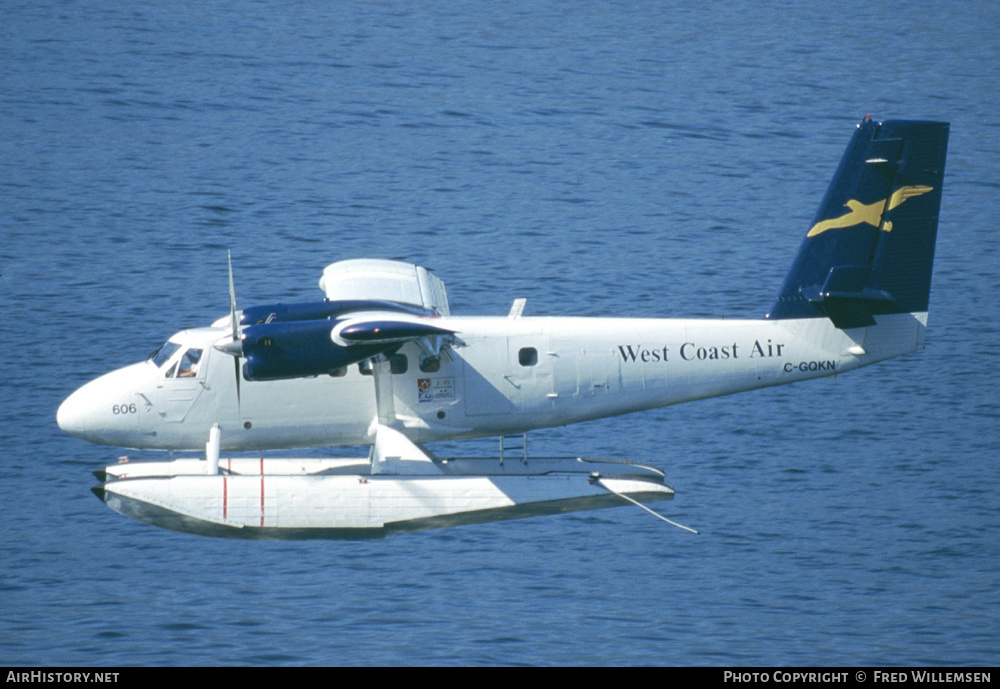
(382, 362)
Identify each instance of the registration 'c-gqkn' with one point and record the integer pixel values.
(383, 362)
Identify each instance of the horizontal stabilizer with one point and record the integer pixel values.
(845, 299)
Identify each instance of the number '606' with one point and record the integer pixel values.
(124, 409)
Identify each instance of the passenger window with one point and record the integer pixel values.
(430, 364)
(528, 356)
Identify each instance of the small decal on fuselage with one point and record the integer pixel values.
(435, 389)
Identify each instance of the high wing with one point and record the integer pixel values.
(379, 279)
(400, 304)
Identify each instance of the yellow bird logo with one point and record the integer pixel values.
(870, 213)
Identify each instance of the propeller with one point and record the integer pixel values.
(235, 346)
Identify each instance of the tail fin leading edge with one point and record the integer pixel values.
(871, 246)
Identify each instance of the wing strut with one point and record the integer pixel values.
(382, 373)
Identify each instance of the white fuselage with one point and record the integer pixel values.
(508, 375)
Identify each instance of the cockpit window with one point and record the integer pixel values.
(163, 354)
(185, 367)
(189, 363)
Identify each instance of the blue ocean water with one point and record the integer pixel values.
(597, 158)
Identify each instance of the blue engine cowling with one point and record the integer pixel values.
(299, 349)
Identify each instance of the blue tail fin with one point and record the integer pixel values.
(870, 248)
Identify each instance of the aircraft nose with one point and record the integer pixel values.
(73, 414)
(104, 410)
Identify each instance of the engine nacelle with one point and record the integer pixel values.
(299, 349)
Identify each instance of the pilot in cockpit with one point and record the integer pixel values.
(189, 363)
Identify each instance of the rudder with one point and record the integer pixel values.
(870, 248)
